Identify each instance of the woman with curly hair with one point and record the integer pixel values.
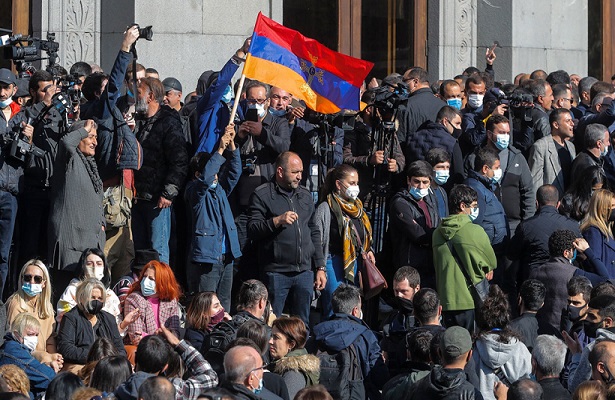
(156, 296)
(500, 356)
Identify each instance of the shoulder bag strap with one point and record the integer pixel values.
(459, 263)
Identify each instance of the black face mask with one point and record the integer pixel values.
(609, 377)
(591, 328)
(404, 305)
(574, 313)
(94, 307)
(612, 215)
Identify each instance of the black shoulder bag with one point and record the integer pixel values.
(480, 290)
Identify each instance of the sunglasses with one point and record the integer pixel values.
(37, 278)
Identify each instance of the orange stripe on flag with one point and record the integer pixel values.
(278, 75)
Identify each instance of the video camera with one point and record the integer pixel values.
(24, 50)
(19, 147)
(67, 86)
(343, 119)
(388, 101)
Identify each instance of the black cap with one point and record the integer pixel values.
(171, 84)
(6, 76)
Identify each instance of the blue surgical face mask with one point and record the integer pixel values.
(604, 152)
(6, 103)
(214, 185)
(260, 109)
(441, 176)
(228, 95)
(418, 194)
(277, 113)
(473, 214)
(497, 175)
(455, 103)
(574, 256)
(32, 289)
(148, 287)
(260, 387)
(502, 141)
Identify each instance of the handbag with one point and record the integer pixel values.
(480, 290)
(371, 280)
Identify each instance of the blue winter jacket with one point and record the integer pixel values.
(212, 112)
(16, 353)
(491, 214)
(211, 211)
(603, 247)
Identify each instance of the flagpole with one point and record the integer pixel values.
(237, 95)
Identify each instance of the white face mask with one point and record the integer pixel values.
(473, 213)
(475, 100)
(6, 103)
(352, 192)
(260, 109)
(97, 272)
(497, 175)
(30, 342)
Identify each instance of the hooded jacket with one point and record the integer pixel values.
(299, 369)
(341, 331)
(443, 383)
(475, 252)
(129, 390)
(512, 358)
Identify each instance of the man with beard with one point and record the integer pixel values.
(406, 282)
(165, 166)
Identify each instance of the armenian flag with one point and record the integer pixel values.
(326, 80)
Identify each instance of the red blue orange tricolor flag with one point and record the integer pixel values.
(326, 80)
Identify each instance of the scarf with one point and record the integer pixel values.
(92, 169)
(343, 211)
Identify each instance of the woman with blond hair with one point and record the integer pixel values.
(17, 349)
(16, 378)
(155, 294)
(597, 228)
(81, 326)
(34, 297)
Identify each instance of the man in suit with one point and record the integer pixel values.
(551, 157)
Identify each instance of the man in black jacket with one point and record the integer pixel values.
(597, 143)
(281, 224)
(165, 166)
(421, 106)
(530, 244)
(449, 380)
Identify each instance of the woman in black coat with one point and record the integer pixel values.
(82, 325)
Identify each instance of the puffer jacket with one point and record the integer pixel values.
(165, 160)
(443, 384)
(11, 170)
(491, 215)
(430, 135)
(511, 360)
(299, 369)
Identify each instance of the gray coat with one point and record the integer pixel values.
(76, 219)
(545, 166)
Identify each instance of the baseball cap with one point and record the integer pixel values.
(171, 84)
(6, 76)
(455, 341)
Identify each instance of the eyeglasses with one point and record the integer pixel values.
(37, 278)
(256, 101)
(256, 369)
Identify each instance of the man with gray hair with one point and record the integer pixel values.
(548, 359)
(596, 142)
(243, 369)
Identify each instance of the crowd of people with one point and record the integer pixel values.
(153, 248)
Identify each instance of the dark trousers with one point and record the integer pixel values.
(463, 318)
(8, 214)
(297, 287)
(207, 277)
(34, 220)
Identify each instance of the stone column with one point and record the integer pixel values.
(457, 38)
(76, 24)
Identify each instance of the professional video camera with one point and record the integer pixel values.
(343, 119)
(67, 86)
(388, 101)
(24, 50)
(20, 147)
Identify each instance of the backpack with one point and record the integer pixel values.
(341, 374)
(215, 344)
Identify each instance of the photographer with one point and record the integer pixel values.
(116, 168)
(360, 148)
(34, 201)
(11, 171)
